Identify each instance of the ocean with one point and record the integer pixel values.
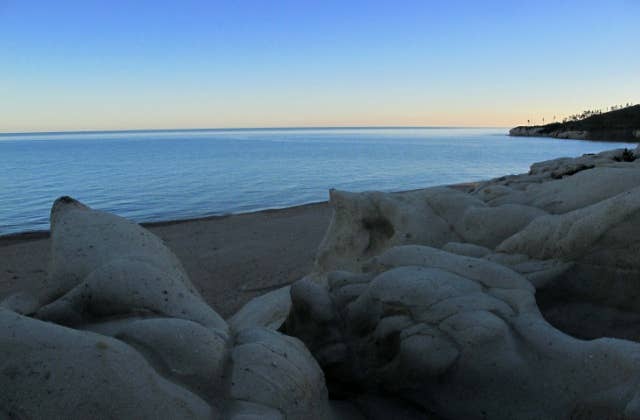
(167, 175)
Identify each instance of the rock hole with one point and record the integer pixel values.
(587, 318)
(380, 231)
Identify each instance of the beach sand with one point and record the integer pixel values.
(230, 259)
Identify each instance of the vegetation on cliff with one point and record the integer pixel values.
(619, 124)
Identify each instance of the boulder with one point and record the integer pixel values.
(104, 265)
(83, 240)
(277, 371)
(124, 287)
(269, 310)
(50, 371)
(128, 336)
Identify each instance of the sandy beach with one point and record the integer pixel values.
(229, 258)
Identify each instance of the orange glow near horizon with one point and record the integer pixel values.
(75, 65)
(252, 117)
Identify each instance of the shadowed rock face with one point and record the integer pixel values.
(120, 332)
(422, 305)
(49, 371)
(459, 336)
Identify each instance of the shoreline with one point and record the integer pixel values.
(44, 234)
(539, 131)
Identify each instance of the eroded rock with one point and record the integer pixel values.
(50, 371)
(128, 336)
(461, 337)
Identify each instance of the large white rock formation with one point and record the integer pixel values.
(429, 296)
(571, 221)
(461, 337)
(120, 332)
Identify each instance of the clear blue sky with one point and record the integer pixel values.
(67, 65)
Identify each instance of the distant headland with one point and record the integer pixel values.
(619, 124)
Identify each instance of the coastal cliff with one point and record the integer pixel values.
(619, 125)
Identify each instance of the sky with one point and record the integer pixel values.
(106, 65)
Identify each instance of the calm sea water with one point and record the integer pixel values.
(163, 175)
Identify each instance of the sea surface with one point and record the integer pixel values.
(167, 175)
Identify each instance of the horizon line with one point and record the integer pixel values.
(146, 130)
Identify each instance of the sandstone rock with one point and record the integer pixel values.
(145, 344)
(582, 189)
(277, 371)
(193, 355)
(123, 287)
(269, 310)
(49, 371)
(365, 224)
(21, 302)
(489, 226)
(497, 212)
(104, 265)
(468, 250)
(570, 235)
(82, 240)
(487, 273)
(461, 337)
(244, 410)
